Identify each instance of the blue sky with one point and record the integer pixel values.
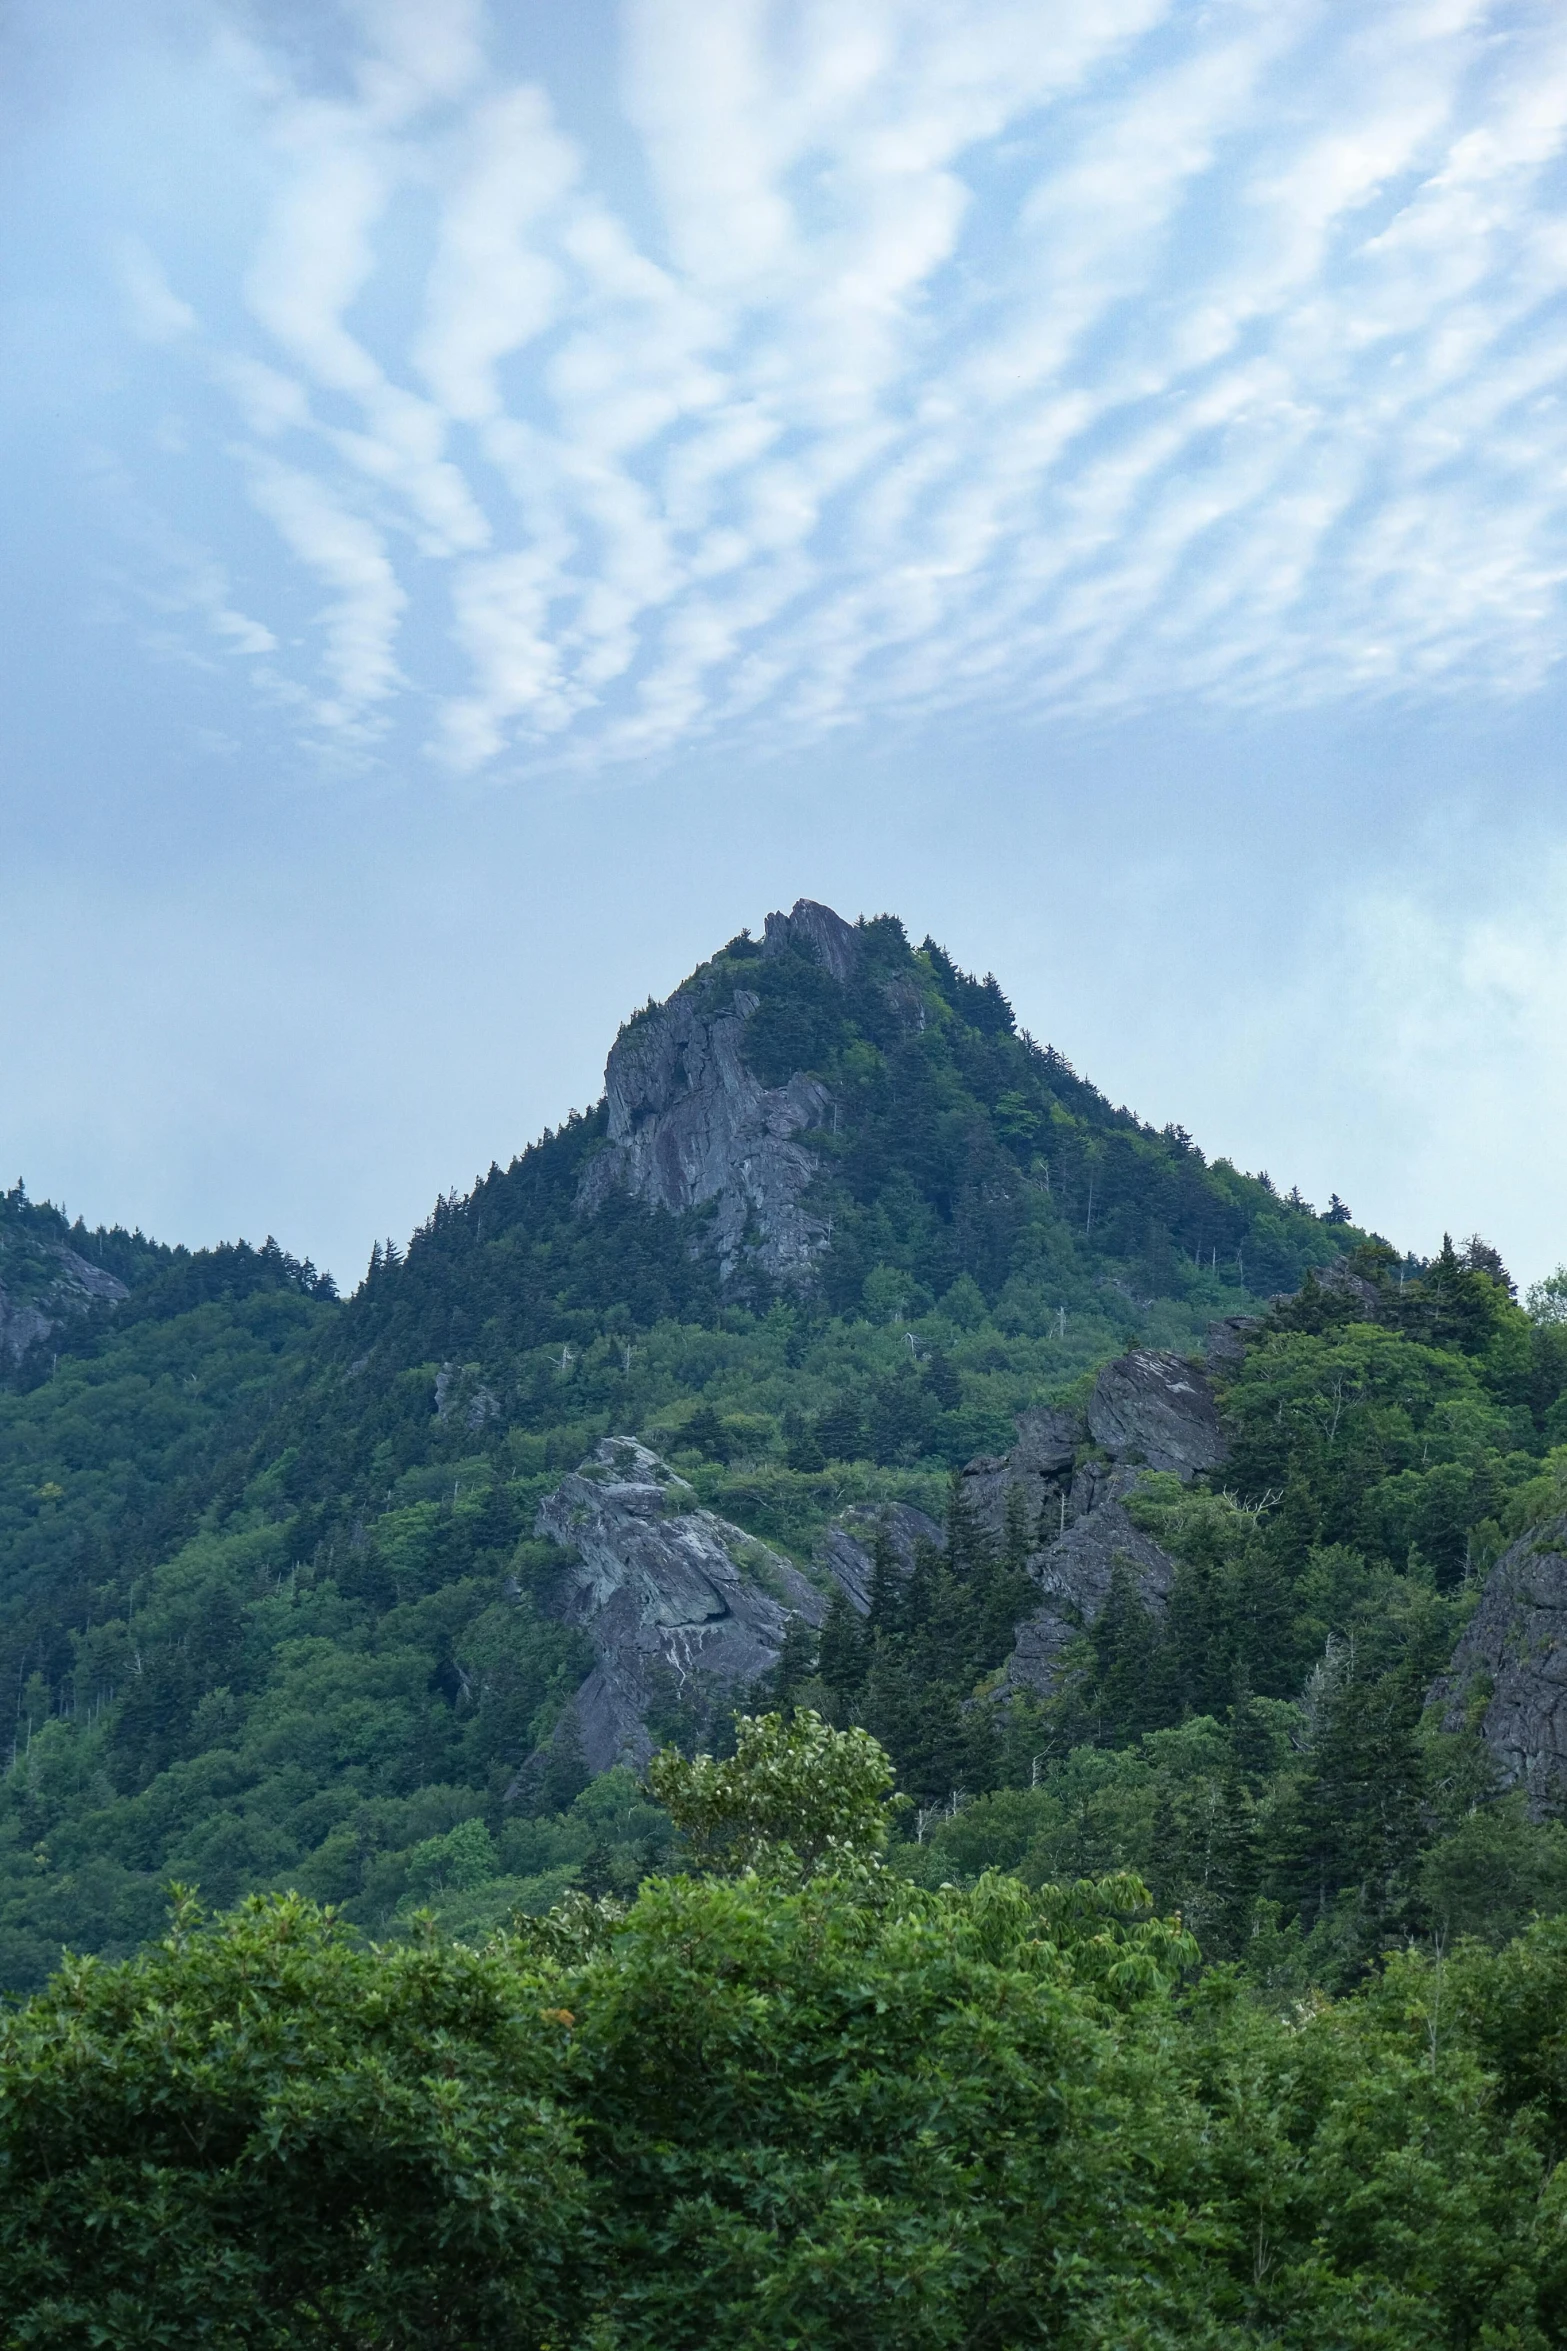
(498, 496)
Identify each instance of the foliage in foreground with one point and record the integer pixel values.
(808, 2105)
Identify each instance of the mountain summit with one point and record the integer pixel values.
(828, 1098)
(691, 1125)
(853, 1351)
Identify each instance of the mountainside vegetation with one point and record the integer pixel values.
(1205, 1992)
(273, 1614)
(791, 2099)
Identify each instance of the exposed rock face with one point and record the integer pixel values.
(690, 1126)
(1040, 1463)
(673, 1599)
(676, 1601)
(1510, 1668)
(67, 1287)
(1342, 1281)
(1157, 1409)
(1074, 1575)
(460, 1395)
(1148, 1411)
(848, 1548)
(1227, 1340)
(825, 936)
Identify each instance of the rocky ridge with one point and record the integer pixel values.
(1149, 1410)
(690, 1126)
(43, 1286)
(682, 1607)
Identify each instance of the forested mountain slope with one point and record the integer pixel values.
(275, 1606)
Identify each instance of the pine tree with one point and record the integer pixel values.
(1018, 1536)
(969, 1547)
(843, 1658)
(1232, 1871)
(1133, 1677)
(887, 1583)
(796, 1662)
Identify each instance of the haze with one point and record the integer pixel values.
(498, 498)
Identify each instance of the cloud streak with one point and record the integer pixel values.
(1063, 359)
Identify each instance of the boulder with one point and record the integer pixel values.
(1508, 1676)
(1157, 1409)
(673, 1598)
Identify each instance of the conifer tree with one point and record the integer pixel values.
(844, 1653)
(886, 1593)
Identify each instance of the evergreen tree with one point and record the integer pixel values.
(887, 1583)
(796, 1662)
(844, 1655)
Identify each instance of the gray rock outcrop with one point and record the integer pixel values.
(1157, 1409)
(460, 1395)
(1225, 1345)
(52, 1286)
(1508, 1676)
(1040, 1463)
(1148, 1411)
(824, 936)
(1075, 1572)
(848, 1546)
(691, 1127)
(674, 1600)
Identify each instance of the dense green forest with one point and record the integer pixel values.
(270, 1607)
(784, 2098)
(272, 1613)
(275, 1625)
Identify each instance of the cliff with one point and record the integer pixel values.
(685, 1612)
(691, 1127)
(681, 1608)
(44, 1287)
(1508, 1676)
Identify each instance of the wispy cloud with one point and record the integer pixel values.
(1072, 358)
(349, 556)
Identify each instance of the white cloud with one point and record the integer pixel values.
(156, 312)
(344, 551)
(1073, 357)
(491, 291)
(174, 575)
(1434, 1016)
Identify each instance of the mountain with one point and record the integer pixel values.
(852, 1351)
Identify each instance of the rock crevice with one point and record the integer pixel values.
(1148, 1411)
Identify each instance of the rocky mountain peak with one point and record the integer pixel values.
(823, 935)
(691, 1126)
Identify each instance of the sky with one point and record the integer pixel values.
(497, 497)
